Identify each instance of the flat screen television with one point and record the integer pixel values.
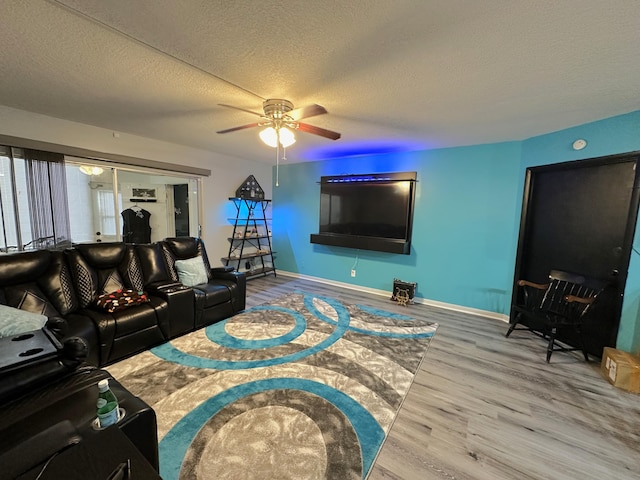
(369, 211)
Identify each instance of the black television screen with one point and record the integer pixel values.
(371, 211)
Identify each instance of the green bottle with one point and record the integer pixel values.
(107, 404)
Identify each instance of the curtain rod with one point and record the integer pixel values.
(103, 156)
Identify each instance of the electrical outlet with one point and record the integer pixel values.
(353, 272)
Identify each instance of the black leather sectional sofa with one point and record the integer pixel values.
(47, 402)
(64, 286)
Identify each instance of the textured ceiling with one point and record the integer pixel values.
(394, 75)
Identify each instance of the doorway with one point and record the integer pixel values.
(580, 217)
(181, 209)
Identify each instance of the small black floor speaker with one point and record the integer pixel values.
(403, 292)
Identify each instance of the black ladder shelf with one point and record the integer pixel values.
(250, 243)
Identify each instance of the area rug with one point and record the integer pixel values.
(305, 387)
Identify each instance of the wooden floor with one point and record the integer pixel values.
(486, 407)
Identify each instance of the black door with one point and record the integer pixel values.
(580, 217)
(181, 203)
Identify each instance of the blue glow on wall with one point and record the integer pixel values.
(343, 149)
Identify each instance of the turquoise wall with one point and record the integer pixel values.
(466, 219)
(463, 242)
(629, 331)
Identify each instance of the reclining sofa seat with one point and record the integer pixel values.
(224, 293)
(99, 268)
(40, 282)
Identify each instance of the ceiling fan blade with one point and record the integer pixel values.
(305, 127)
(251, 125)
(306, 112)
(241, 109)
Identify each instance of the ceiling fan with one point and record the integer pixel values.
(280, 118)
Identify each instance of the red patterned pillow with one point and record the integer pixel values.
(114, 301)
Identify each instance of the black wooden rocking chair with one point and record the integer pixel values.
(560, 304)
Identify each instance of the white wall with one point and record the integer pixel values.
(227, 173)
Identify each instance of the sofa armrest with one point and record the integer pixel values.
(222, 269)
(240, 279)
(231, 275)
(158, 287)
(58, 326)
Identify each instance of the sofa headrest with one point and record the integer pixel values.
(103, 255)
(152, 261)
(183, 247)
(23, 267)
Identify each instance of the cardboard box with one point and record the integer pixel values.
(621, 369)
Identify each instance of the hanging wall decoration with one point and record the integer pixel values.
(250, 188)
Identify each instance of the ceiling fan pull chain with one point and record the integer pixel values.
(278, 162)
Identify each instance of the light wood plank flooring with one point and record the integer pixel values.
(486, 407)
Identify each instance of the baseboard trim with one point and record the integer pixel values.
(424, 301)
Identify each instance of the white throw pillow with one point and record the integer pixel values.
(14, 321)
(192, 271)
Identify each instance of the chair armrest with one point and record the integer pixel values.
(539, 286)
(533, 293)
(573, 298)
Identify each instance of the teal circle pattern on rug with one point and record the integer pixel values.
(169, 353)
(218, 333)
(174, 445)
(332, 321)
(308, 302)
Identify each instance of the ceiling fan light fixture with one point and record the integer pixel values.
(270, 137)
(91, 170)
(287, 138)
